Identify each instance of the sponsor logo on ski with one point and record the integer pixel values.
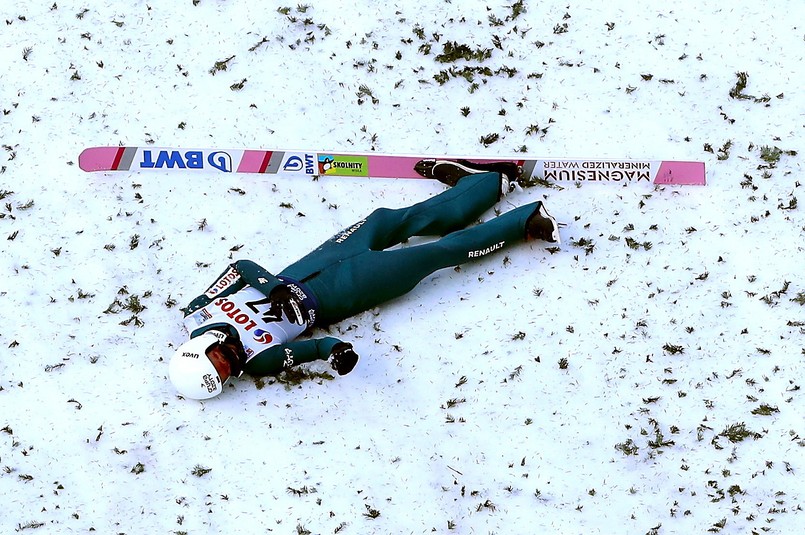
(596, 171)
(304, 162)
(191, 159)
(343, 165)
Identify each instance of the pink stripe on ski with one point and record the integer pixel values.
(393, 167)
(681, 173)
(99, 158)
(254, 161)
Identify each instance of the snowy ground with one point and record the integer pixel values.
(644, 378)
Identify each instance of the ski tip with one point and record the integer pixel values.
(82, 160)
(98, 158)
(681, 173)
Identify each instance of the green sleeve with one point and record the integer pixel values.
(232, 279)
(256, 276)
(273, 360)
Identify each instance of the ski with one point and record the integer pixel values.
(378, 165)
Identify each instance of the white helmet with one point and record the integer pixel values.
(192, 372)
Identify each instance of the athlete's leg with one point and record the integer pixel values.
(374, 277)
(442, 214)
(448, 211)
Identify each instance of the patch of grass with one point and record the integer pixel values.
(765, 410)
(628, 447)
(634, 244)
(302, 491)
(371, 512)
(585, 243)
(518, 8)
(770, 155)
(735, 433)
(453, 51)
(772, 298)
(737, 91)
(293, 377)
(724, 151)
(237, 86)
(489, 139)
(364, 92)
(221, 65)
(200, 471)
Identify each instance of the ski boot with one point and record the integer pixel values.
(451, 171)
(541, 225)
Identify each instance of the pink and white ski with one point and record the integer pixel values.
(377, 165)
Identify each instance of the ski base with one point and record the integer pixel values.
(376, 165)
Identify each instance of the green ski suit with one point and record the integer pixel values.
(353, 271)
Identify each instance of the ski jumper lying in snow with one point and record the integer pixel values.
(248, 320)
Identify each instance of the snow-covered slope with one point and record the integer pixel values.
(643, 378)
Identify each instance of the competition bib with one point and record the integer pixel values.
(259, 324)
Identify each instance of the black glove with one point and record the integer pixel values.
(284, 301)
(343, 358)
